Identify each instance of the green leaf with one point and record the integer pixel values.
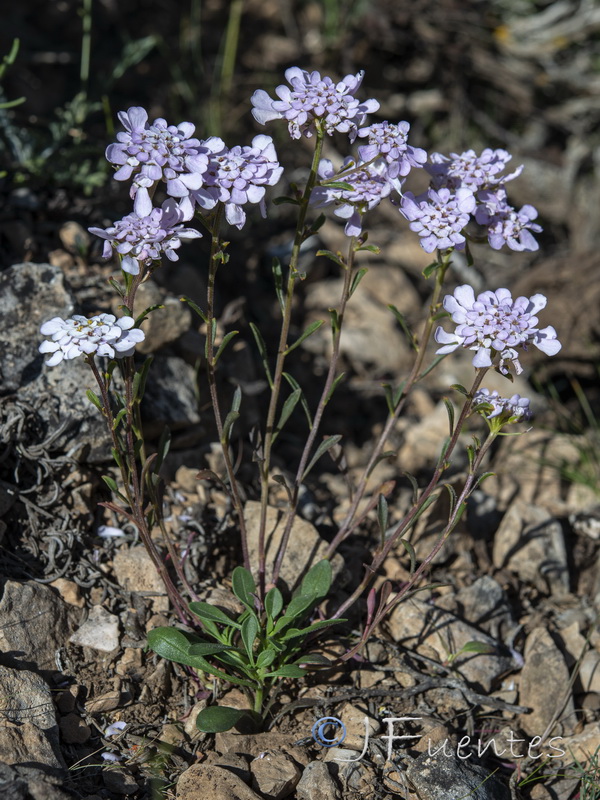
(111, 483)
(450, 411)
(278, 277)
(278, 201)
(477, 647)
(288, 407)
(243, 586)
(314, 326)
(232, 416)
(118, 418)
(318, 223)
(216, 719)
(164, 444)
(338, 185)
(262, 349)
(303, 402)
(483, 478)
(144, 314)
(325, 445)
(207, 648)
(357, 279)
(140, 378)
(429, 270)
(226, 339)
(452, 495)
(249, 633)
(273, 602)
(212, 614)
(117, 286)
(382, 515)
(400, 318)
(300, 604)
(295, 633)
(289, 671)
(174, 645)
(195, 308)
(333, 257)
(371, 248)
(335, 320)
(460, 389)
(265, 659)
(334, 386)
(117, 456)
(411, 552)
(93, 398)
(317, 581)
(314, 658)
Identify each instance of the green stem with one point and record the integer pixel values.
(405, 523)
(211, 369)
(281, 354)
(331, 374)
(348, 523)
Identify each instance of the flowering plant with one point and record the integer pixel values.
(214, 184)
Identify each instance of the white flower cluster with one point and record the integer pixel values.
(104, 335)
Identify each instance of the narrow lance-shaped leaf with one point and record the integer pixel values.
(217, 719)
(289, 405)
(249, 633)
(232, 416)
(333, 257)
(334, 386)
(450, 411)
(164, 444)
(357, 279)
(226, 339)
(452, 495)
(404, 325)
(140, 378)
(411, 553)
(303, 402)
(278, 277)
(262, 349)
(93, 398)
(195, 308)
(139, 319)
(273, 602)
(325, 445)
(207, 612)
(314, 326)
(382, 515)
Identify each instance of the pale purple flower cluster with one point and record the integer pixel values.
(516, 407)
(103, 335)
(505, 224)
(239, 176)
(483, 176)
(369, 186)
(159, 152)
(439, 217)
(390, 142)
(312, 98)
(470, 170)
(495, 324)
(141, 240)
(196, 172)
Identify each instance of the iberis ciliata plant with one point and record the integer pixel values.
(205, 183)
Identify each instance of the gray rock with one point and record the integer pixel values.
(170, 397)
(484, 604)
(135, 572)
(119, 781)
(544, 685)
(316, 783)
(34, 626)
(20, 782)
(28, 729)
(445, 776)
(274, 775)
(416, 624)
(200, 782)
(164, 325)
(530, 542)
(100, 631)
(31, 294)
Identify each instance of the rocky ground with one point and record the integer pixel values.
(521, 573)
